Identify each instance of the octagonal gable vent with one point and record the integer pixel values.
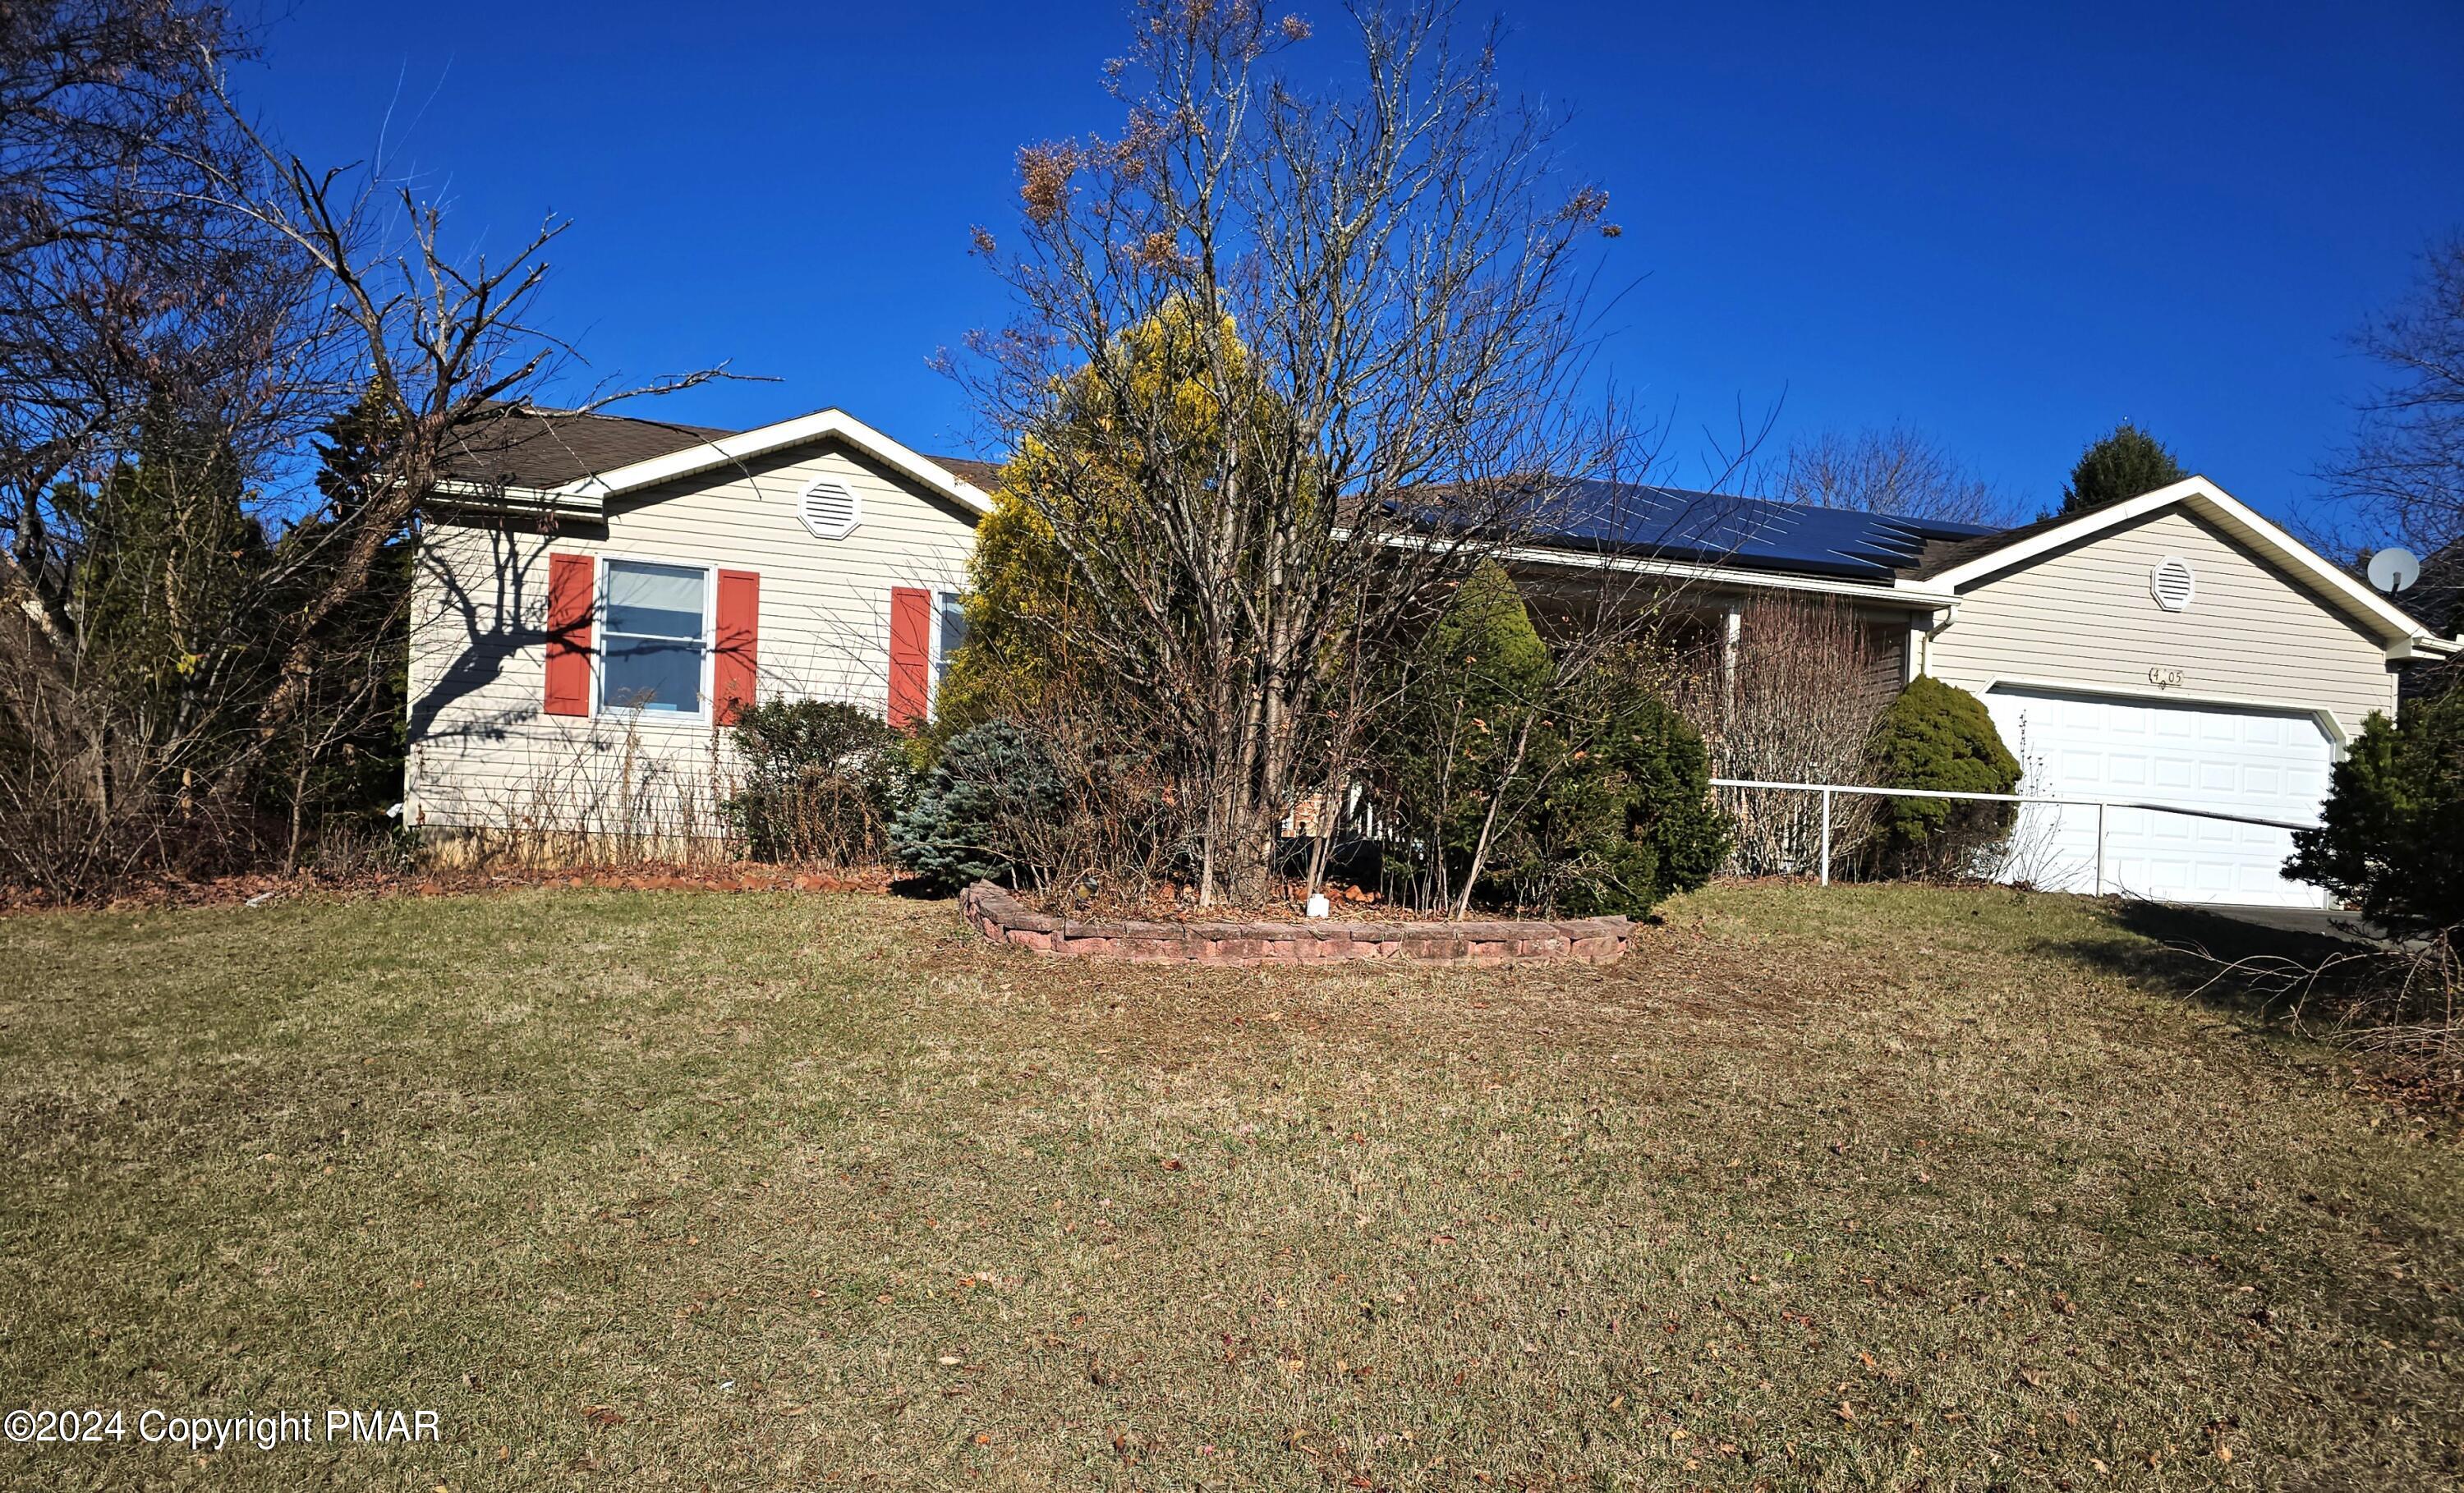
(2172, 582)
(831, 510)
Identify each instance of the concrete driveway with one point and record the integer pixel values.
(2318, 922)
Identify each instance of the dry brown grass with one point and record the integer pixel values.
(1874, 1187)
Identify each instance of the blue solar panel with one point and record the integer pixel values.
(1716, 528)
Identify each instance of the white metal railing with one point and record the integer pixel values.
(1827, 789)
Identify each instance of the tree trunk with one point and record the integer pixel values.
(1489, 822)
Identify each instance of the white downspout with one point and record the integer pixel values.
(1730, 638)
(1919, 659)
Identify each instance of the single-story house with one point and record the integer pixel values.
(601, 589)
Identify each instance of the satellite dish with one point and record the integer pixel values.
(2391, 570)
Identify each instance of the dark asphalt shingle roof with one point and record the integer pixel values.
(983, 475)
(523, 447)
(1941, 554)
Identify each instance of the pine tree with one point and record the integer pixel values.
(344, 760)
(2392, 834)
(167, 556)
(2124, 464)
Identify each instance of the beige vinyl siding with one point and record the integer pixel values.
(2083, 619)
(484, 754)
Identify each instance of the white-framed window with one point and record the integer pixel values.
(949, 630)
(656, 626)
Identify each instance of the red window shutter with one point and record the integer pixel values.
(571, 579)
(733, 666)
(911, 655)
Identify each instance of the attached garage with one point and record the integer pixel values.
(2175, 648)
(2267, 765)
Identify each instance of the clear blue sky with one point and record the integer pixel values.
(2009, 229)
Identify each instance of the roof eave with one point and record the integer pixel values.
(1915, 595)
(500, 497)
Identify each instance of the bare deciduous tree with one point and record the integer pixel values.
(445, 346)
(1375, 294)
(191, 624)
(2403, 473)
(1894, 471)
(156, 357)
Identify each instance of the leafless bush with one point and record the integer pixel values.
(2031, 854)
(621, 801)
(2409, 1010)
(350, 851)
(1120, 830)
(1791, 698)
(826, 819)
(2402, 1004)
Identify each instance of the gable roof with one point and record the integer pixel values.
(1963, 563)
(565, 461)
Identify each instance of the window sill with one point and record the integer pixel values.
(653, 720)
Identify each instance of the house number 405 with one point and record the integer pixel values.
(2163, 678)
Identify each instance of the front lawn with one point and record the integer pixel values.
(1866, 1187)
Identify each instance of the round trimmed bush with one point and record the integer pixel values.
(1938, 735)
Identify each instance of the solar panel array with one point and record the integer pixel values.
(1718, 527)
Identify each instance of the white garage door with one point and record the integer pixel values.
(2268, 764)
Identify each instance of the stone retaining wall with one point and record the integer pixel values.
(1004, 919)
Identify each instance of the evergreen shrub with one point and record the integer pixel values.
(1938, 735)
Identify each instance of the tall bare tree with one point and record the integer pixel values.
(2403, 473)
(1892, 470)
(158, 353)
(1372, 295)
(183, 617)
(446, 349)
(123, 291)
